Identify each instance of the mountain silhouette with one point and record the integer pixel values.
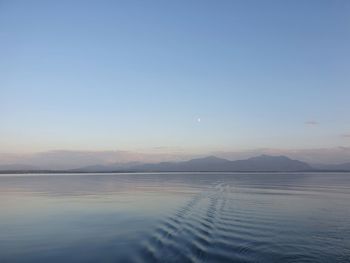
(215, 164)
(261, 163)
(335, 167)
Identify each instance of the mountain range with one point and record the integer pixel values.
(262, 163)
(215, 164)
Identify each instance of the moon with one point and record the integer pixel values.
(199, 120)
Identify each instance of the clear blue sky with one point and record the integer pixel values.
(137, 75)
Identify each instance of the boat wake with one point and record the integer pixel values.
(207, 229)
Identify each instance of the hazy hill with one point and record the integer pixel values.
(107, 167)
(214, 164)
(17, 167)
(261, 163)
(334, 167)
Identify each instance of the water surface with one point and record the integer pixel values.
(175, 217)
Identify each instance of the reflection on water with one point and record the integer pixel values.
(175, 217)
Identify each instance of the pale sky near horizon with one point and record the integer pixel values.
(139, 75)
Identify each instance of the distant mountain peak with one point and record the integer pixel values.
(215, 164)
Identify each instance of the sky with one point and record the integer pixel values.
(174, 76)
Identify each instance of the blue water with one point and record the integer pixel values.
(175, 217)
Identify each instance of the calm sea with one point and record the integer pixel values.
(175, 217)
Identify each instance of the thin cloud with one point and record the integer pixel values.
(346, 135)
(167, 148)
(312, 123)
